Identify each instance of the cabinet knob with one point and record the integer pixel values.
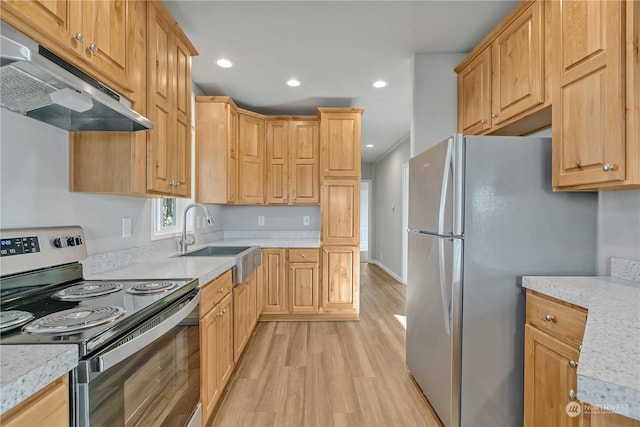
(572, 395)
(483, 122)
(79, 37)
(93, 48)
(220, 314)
(607, 167)
(301, 255)
(494, 115)
(572, 363)
(221, 290)
(294, 197)
(549, 318)
(326, 171)
(291, 267)
(224, 311)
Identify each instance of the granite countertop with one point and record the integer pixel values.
(609, 364)
(205, 269)
(26, 369)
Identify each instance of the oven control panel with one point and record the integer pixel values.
(28, 249)
(19, 246)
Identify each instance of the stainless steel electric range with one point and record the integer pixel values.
(138, 332)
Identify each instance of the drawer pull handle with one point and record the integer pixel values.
(549, 318)
(572, 363)
(572, 395)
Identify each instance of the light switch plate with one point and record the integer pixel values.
(126, 228)
(260, 220)
(305, 220)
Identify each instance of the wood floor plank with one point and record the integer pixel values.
(330, 374)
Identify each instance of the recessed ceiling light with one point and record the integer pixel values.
(379, 84)
(369, 145)
(224, 63)
(293, 83)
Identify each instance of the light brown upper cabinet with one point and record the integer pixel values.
(505, 77)
(340, 212)
(216, 150)
(340, 142)
(595, 141)
(292, 160)
(156, 162)
(169, 107)
(95, 36)
(251, 130)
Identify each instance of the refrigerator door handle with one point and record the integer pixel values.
(445, 185)
(443, 286)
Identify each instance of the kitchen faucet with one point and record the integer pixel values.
(190, 239)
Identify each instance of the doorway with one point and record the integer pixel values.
(405, 221)
(365, 209)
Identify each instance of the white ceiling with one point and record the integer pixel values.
(335, 48)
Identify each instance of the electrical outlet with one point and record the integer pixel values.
(126, 228)
(260, 220)
(381, 256)
(305, 220)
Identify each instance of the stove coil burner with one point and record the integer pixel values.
(152, 288)
(70, 321)
(12, 319)
(87, 290)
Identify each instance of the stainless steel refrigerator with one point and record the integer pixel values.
(482, 215)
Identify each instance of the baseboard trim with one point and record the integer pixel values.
(386, 270)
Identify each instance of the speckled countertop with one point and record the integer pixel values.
(205, 269)
(26, 369)
(609, 364)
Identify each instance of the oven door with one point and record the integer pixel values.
(151, 377)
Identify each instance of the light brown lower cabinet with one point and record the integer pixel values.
(341, 280)
(553, 334)
(244, 314)
(291, 283)
(216, 343)
(48, 407)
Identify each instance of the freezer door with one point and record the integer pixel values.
(432, 334)
(435, 188)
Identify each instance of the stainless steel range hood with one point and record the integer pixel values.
(37, 83)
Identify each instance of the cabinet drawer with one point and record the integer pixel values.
(303, 255)
(556, 318)
(214, 291)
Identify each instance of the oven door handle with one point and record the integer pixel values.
(111, 358)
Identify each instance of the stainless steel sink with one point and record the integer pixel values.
(219, 251)
(248, 258)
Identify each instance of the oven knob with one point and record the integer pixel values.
(60, 242)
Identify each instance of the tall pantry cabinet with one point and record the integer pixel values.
(340, 210)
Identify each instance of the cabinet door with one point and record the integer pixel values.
(59, 20)
(252, 299)
(240, 304)
(181, 165)
(340, 279)
(251, 148)
(275, 280)
(303, 172)
(340, 143)
(340, 212)
(518, 65)
(548, 380)
(277, 154)
(161, 138)
(224, 340)
(474, 96)
(303, 287)
(107, 30)
(588, 109)
(209, 376)
(232, 156)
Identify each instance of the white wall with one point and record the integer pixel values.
(618, 227)
(288, 218)
(435, 99)
(388, 208)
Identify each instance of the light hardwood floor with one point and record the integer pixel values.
(339, 374)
